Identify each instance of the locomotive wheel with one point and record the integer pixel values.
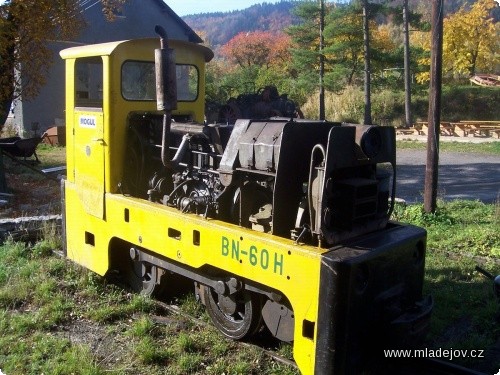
(237, 316)
(146, 278)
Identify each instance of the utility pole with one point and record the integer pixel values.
(321, 61)
(434, 118)
(406, 34)
(366, 38)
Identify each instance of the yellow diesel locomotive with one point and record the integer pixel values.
(281, 224)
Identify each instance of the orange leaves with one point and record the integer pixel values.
(259, 48)
(382, 39)
(28, 25)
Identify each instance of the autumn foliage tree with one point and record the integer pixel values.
(251, 60)
(25, 27)
(471, 40)
(261, 48)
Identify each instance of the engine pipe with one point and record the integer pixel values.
(315, 189)
(166, 90)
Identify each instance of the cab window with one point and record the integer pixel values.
(88, 82)
(138, 81)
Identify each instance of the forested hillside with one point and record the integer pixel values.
(218, 28)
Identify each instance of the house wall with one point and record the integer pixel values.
(137, 20)
(47, 109)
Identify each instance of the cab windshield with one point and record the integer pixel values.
(138, 81)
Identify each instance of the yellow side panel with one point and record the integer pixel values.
(86, 238)
(70, 103)
(189, 239)
(197, 242)
(89, 160)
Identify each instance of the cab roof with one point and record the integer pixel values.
(109, 48)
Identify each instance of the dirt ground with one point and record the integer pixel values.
(28, 193)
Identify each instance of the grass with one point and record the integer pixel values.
(466, 313)
(469, 228)
(49, 156)
(489, 148)
(458, 103)
(461, 235)
(58, 318)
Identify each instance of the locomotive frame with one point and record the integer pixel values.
(241, 211)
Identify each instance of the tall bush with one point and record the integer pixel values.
(458, 103)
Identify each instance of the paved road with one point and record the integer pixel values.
(461, 176)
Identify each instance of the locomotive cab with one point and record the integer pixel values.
(282, 224)
(109, 88)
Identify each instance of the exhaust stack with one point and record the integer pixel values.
(166, 90)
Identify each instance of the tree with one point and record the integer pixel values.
(251, 60)
(406, 33)
(111, 7)
(343, 46)
(367, 58)
(306, 54)
(25, 26)
(356, 44)
(471, 39)
(397, 46)
(434, 117)
(421, 42)
(261, 48)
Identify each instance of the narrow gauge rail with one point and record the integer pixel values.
(407, 366)
(385, 366)
(175, 310)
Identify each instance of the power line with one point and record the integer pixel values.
(83, 3)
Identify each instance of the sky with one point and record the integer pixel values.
(185, 7)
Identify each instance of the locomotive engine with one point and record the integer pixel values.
(314, 182)
(281, 224)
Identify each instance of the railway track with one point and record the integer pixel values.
(407, 366)
(381, 366)
(175, 310)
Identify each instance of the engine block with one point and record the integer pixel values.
(315, 182)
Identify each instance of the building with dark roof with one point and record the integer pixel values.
(136, 19)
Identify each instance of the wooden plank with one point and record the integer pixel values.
(447, 128)
(480, 122)
(462, 128)
(54, 169)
